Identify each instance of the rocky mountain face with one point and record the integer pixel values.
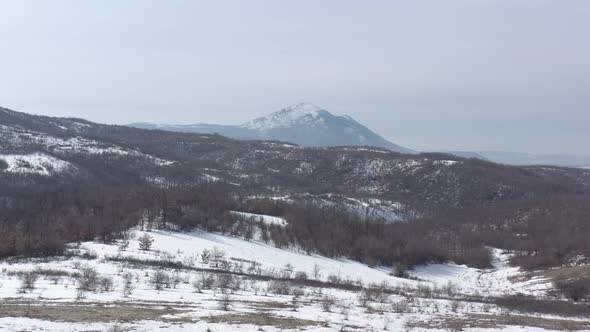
(303, 124)
(38, 153)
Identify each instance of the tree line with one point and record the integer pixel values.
(545, 233)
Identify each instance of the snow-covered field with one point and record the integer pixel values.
(499, 280)
(253, 302)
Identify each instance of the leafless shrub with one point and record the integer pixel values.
(225, 302)
(449, 289)
(206, 280)
(225, 282)
(287, 271)
(160, 280)
(279, 287)
(217, 256)
(106, 284)
(327, 303)
(364, 297)
(373, 293)
(128, 286)
(28, 280)
(401, 306)
(197, 286)
(316, 272)
(238, 268)
(88, 279)
(123, 245)
(345, 311)
(206, 257)
(301, 276)
(334, 279)
(175, 280)
(254, 268)
(424, 291)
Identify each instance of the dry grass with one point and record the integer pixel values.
(85, 313)
(261, 320)
(496, 321)
(267, 305)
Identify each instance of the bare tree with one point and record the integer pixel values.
(145, 242)
(28, 280)
(225, 302)
(160, 280)
(128, 286)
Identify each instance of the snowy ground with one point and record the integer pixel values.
(56, 304)
(269, 220)
(36, 163)
(500, 280)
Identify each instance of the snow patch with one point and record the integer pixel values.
(210, 178)
(497, 281)
(445, 162)
(36, 163)
(269, 220)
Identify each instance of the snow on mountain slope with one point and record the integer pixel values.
(16, 139)
(497, 281)
(292, 115)
(35, 163)
(309, 125)
(304, 124)
(186, 246)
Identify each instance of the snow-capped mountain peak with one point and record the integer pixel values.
(302, 112)
(304, 124)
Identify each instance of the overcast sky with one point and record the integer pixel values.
(455, 75)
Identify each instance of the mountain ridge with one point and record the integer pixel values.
(304, 124)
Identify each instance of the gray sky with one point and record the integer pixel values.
(469, 75)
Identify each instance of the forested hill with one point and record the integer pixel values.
(38, 149)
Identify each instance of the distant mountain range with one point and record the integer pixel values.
(304, 124)
(526, 159)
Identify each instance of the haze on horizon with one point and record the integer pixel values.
(428, 75)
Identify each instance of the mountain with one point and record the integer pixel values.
(519, 158)
(303, 124)
(466, 154)
(526, 159)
